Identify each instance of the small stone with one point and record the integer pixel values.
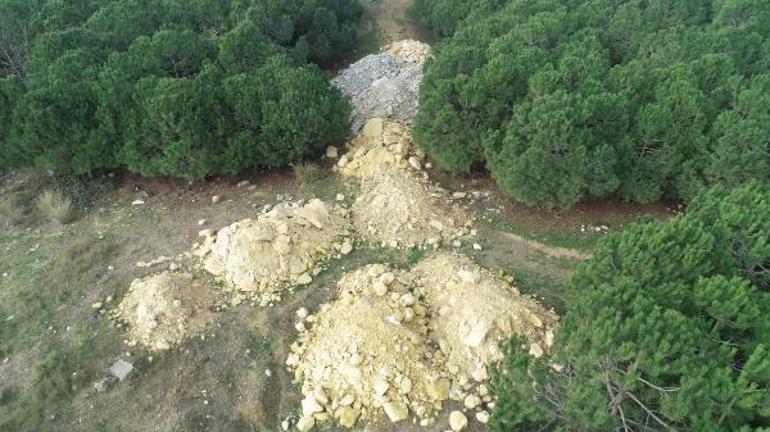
(343, 161)
(340, 197)
(535, 350)
(310, 406)
(302, 313)
(304, 279)
(348, 416)
(483, 390)
(439, 389)
(380, 288)
(347, 400)
(472, 401)
(381, 386)
(346, 248)
(320, 395)
(396, 411)
(457, 421)
(476, 246)
(332, 152)
(202, 222)
(408, 299)
(415, 163)
(242, 183)
(300, 327)
(97, 305)
(305, 423)
(137, 202)
(173, 266)
(482, 417)
(216, 198)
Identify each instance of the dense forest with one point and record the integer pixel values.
(667, 328)
(565, 100)
(170, 87)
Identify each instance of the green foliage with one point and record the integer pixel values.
(177, 88)
(565, 100)
(667, 330)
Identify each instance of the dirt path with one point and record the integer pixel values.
(550, 251)
(391, 18)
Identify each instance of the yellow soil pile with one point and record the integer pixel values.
(366, 353)
(475, 310)
(397, 205)
(409, 51)
(164, 309)
(285, 246)
(381, 147)
(402, 343)
(400, 210)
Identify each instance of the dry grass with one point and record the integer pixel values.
(55, 206)
(309, 173)
(11, 211)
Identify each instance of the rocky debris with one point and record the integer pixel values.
(397, 204)
(157, 261)
(367, 351)
(408, 51)
(476, 311)
(382, 146)
(386, 84)
(457, 421)
(400, 210)
(285, 246)
(401, 343)
(164, 309)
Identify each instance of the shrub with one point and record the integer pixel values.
(565, 101)
(55, 206)
(667, 329)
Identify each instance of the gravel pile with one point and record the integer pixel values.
(385, 85)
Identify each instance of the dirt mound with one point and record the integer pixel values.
(164, 309)
(409, 51)
(285, 246)
(475, 310)
(367, 352)
(382, 146)
(401, 343)
(386, 84)
(398, 205)
(401, 210)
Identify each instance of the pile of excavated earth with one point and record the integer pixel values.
(404, 343)
(394, 342)
(385, 85)
(397, 204)
(162, 310)
(284, 247)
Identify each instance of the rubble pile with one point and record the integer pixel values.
(398, 206)
(285, 246)
(401, 343)
(164, 309)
